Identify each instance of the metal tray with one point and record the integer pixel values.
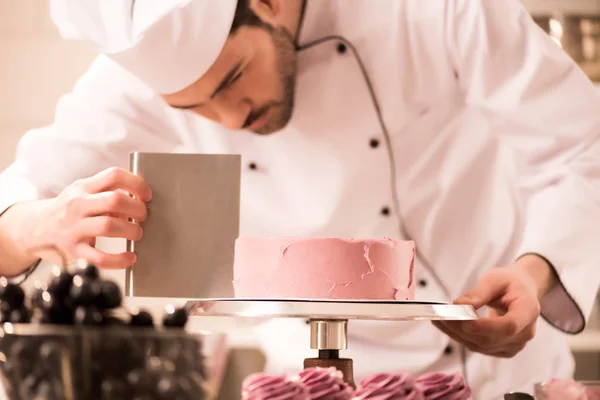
(331, 309)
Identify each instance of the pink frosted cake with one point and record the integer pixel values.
(324, 268)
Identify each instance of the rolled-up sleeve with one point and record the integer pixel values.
(15, 188)
(548, 112)
(106, 116)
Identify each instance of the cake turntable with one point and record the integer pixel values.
(328, 319)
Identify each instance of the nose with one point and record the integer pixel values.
(232, 114)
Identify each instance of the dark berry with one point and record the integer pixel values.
(110, 295)
(37, 298)
(176, 319)
(44, 300)
(142, 318)
(12, 294)
(90, 272)
(20, 315)
(5, 311)
(60, 286)
(52, 310)
(88, 316)
(85, 292)
(55, 312)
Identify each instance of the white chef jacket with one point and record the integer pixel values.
(455, 123)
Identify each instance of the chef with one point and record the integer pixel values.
(454, 123)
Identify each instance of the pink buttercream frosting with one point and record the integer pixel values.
(559, 389)
(438, 386)
(388, 387)
(267, 387)
(325, 384)
(324, 268)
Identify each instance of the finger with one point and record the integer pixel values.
(109, 227)
(105, 260)
(520, 314)
(456, 335)
(487, 290)
(115, 203)
(476, 336)
(118, 178)
(516, 344)
(453, 332)
(484, 344)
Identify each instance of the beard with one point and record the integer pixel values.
(281, 110)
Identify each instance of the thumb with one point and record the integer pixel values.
(488, 289)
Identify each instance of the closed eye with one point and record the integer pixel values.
(235, 78)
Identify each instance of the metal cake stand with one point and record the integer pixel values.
(329, 319)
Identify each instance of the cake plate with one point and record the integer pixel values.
(328, 319)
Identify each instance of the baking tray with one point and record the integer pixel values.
(331, 309)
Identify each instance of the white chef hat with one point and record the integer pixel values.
(169, 44)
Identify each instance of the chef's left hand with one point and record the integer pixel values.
(513, 296)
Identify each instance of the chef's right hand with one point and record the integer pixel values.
(89, 208)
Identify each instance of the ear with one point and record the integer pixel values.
(270, 11)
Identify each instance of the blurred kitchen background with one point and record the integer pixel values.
(37, 67)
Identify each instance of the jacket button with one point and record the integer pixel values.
(252, 166)
(341, 48)
(385, 211)
(448, 350)
(374, 143)
(422, 282)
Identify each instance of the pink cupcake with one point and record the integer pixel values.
(325, 384)
(560, 389)
(438, 386)
(388, 387)
(279, 387)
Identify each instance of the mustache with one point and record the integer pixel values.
(257, 114)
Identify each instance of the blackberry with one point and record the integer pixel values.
(142, 318)
(176, 318)
(12, 294)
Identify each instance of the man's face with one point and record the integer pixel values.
(251, 84)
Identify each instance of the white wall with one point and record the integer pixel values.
(36, 67)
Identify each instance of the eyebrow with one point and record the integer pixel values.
(222, 85)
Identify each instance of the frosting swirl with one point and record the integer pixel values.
(325, 384)
(388, 387)
(266, 387)
(438, 386)
(562, 389)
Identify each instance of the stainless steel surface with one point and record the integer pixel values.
(193, 220)
(518, 396)
(330, 309)
(329, 334)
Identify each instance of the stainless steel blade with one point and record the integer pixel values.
(193, 220)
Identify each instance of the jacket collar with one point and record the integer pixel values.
(317, 21)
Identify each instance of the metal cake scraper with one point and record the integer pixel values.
(193, 221)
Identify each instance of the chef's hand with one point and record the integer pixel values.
(513, 296)
(89, 208)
